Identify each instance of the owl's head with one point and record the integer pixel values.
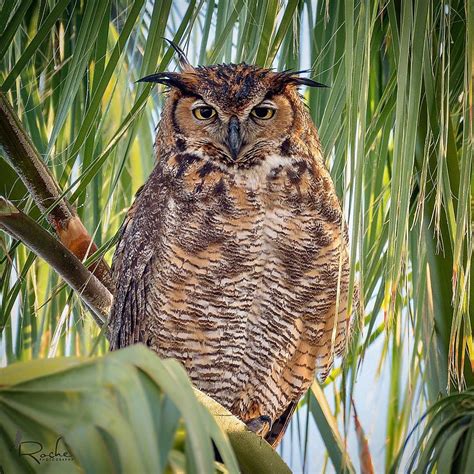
(234, 113)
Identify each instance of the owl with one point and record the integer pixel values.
(233, 257)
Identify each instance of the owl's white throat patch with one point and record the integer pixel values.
(256, 176)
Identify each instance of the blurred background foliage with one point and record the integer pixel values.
(396, 124)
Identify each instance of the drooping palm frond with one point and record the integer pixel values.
(446, 437)
(124, 412)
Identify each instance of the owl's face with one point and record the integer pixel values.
(237, 114)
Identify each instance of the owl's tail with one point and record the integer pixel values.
(280, 425)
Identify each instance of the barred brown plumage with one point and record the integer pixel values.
(233, 255)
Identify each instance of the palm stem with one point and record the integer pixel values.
(94, 294)
(25, 160)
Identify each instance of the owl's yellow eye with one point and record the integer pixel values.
(204, 113)
(263, 113)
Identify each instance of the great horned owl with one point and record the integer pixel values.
(233, 258)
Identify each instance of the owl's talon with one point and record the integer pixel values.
(260, 425)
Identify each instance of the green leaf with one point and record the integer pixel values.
(42, 33)
(121, 412)
(327, 426)
(83, 49)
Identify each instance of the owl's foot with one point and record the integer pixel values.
(260, 425)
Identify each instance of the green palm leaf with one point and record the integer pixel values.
(126, 412)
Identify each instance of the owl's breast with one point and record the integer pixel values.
(231, 228)
(236, 262)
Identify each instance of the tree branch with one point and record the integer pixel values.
(24, 158)
(94, 294)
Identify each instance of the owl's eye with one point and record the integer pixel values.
(204, 113)
(263, 113)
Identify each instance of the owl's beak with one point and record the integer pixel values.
(234, 139)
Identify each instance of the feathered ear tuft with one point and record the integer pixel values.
(299, 81)
(170, 79)
(166, 78)
(174, 79)
(183, 61)
(294, 78)
(291, 77)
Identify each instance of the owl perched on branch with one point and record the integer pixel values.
(233, 258)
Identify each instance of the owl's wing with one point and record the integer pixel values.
(327, 327)
(332, 323)
(132, 264)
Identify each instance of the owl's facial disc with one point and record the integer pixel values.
(237, 114)
(234, 131)
(205, 114)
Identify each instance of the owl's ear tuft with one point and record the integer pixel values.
(174, 79)
(170, 79)
(306, 81)
(280, 80)
(292, 78)
(183, 61)
(165, 78)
